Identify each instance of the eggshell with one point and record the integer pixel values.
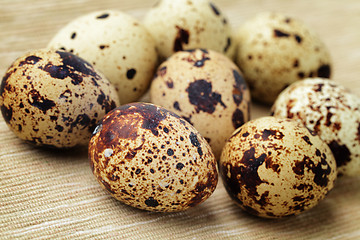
(207, 89)
(330, 110)
(275, 50)
(115, 43)
(186, 24)
(275, 167)
(150, 158)
(54, 98)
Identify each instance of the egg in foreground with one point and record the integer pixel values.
(54, 98)
(149, 158)
(330, 110)
(275, 167)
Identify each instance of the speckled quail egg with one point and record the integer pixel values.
(150, 158)
(331, 111)
(207, 89)
(275, 50)
(186, 24)
(117, 44)
(54, 98)
(275, 167)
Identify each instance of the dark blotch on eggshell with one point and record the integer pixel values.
(30, 60)
(228, 44)
(324, 71)
(320, 170)
(170, 83)
(248, 172)
(162, 71)
(177, 106)
(215, 9)
(202, 97)
(307, 140)
(73, 67)
(105, 102)
(298, 38)
(103, 16)
(180, 166)
(130, 74)
(151, 202)
(279, 33)
(199, 192)
(239, 87)
(40, 102)
(341, 153)
(237, 118)
(182, 37)
(195, 142)
(82, 121)
(269, 163)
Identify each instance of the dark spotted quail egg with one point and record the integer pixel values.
(115, 43)
(207, 89)
(275, 167)
(150, 158)
(275, 50)
(54, 98)
(331, 111)
(187, 24)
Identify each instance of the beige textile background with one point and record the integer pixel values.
(47, 194)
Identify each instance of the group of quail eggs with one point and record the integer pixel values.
(86, 88)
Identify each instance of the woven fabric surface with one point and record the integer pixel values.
(52, 194)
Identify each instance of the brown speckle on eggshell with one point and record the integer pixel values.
(149, 158)
(275, 167)
(54, 98)
(330, 110)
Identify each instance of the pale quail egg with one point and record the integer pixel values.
(117, 44)
(275, 50)
(207, 89)
(186, 24)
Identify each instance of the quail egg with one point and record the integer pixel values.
(330, 110)
(207, 89)
(275, 50)
(186, 24)
(117, 44)
(150, 158)
(54, 98)
(275, 167)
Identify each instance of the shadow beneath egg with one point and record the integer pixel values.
(61, 154)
